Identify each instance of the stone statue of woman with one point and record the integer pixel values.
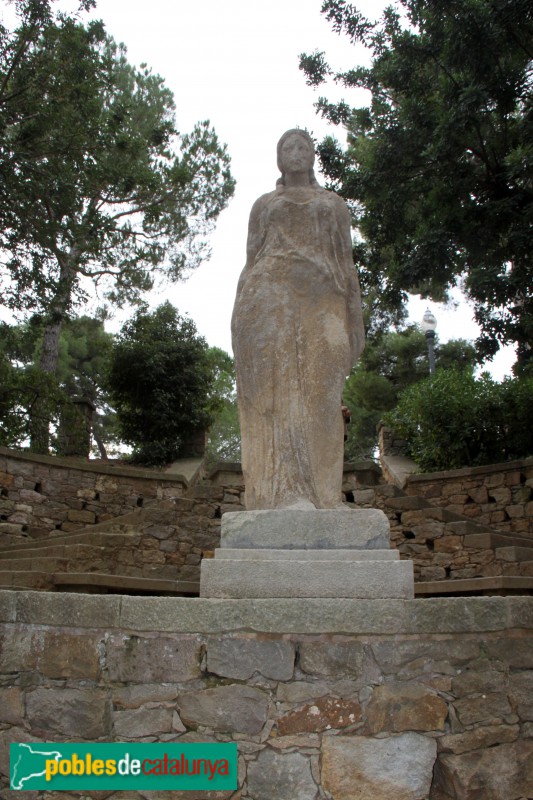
(297, 330)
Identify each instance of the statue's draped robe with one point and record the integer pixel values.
(297, 331)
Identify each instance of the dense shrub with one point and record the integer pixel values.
(161, 381)
(453, 420)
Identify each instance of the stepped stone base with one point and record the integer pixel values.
(307, 555)
(364, 579)
(322, 529)
(319, 553)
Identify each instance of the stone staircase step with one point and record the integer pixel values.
(97, 561)
(514, 554)
(492, 541)
(407, 503)
(513, 584)
(77, 581)
(24, 580)
(463, 527)
(127, 582)
(89, 537)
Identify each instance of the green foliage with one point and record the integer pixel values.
(161, 381)
(389, 363)
(224, 441)
(84, 358)
(453, 420)
(23, 387)
(99, 190)
(438, 167)
(84, 361)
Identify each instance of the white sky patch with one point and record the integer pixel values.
(236, 64)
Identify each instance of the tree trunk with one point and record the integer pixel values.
(40, 413)
(99, 441)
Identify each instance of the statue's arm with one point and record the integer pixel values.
(256, 235)
(355, 312)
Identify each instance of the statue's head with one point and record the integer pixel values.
(302, 137)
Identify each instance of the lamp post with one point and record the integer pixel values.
(429, 323)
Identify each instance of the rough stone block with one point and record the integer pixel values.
(11, 706)
(86, 517)
(397, 707)
(70, 656)
(412, 657)
(8, 606)
(477, 738)
(237, 708)
(399, 767)
(319, 529)
(301, 691)
(241, 658)
(479, 681)
(487, 709)
(139, 722)
(521, 694)
(325, 713)
(497, 773)
(143, 660)
(336, 659)
(282, 776)
(69, 712)
(55, 608)
(136, 696)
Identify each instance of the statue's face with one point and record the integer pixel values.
(296, 154)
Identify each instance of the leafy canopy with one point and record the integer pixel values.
(98, 186)
(454, 420)
(161, 381)
(438, 167)
(389, 364)
(83, 364)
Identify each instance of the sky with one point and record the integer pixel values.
(235, 62)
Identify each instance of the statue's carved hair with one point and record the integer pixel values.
(280, 183)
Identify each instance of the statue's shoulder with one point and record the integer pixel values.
(337, 202)
(333, 197)
(259, 206)
(264, 199)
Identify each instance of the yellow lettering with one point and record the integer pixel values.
(110, 766)
(78, 765)
(98, 766)
(50, 768)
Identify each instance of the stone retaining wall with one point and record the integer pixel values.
(40, 495)
(499, 495)
(423, 699)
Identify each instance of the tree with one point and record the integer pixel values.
(161, 381)
(453, 420)
(100, 190)
(390, 363)
(25, 390)
(438, 167)
(224, 442)
(83, 362)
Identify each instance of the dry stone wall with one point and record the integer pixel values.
(499, 495)
(41, 495)
(419, 700)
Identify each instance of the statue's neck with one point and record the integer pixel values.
(296, 180)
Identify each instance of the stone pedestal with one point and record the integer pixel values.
(318, 553)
